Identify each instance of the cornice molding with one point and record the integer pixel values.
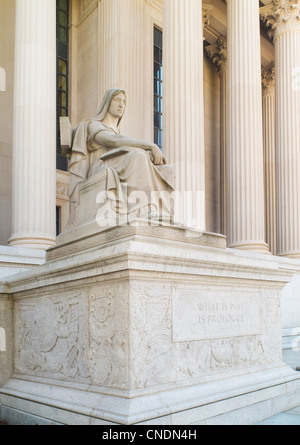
(206, 12)
(157, 4)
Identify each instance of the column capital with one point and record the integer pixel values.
(218, 53)
(268, 80)
(281, 16)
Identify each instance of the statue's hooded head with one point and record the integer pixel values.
(104, 107)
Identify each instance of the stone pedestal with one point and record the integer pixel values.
(6, 336)
(14, 260)
(151, 325)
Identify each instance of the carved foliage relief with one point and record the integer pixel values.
(109, 334)
(152, 351)
(158, 359)
(81, 337)
(123, 336)
(281, 15)
(52, 337)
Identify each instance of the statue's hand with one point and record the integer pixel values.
(158, 157)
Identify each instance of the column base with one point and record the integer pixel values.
(292, 254)
(252, 246)
(31, 243)
(14, 260)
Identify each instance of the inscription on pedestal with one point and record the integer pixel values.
(201, 315)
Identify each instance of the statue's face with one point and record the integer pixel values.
(117, 106)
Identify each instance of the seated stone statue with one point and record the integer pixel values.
(137, 179)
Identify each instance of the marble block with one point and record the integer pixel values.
(87, 208)
(121, 325)
(14, 260)
(6, 336)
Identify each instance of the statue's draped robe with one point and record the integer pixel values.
(131, 175)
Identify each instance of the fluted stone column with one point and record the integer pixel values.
(34, 134)
(121, 34)
(218, 54)
(184, 107)
(284, 18)
(268, 96)
(245, 176)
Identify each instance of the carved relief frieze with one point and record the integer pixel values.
(109, 336)
(153, 354)
(62, 189)
(52, 337)
(205, 357)
(272, 340)
(158, 358)
(129, 336)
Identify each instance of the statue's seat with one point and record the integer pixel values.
(67, 133)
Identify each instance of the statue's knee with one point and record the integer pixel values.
(140, 156)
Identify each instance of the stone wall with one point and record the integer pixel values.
(6, 337)
(7, 34)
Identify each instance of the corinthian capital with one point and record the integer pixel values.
(281, 15)
(218, 53)
(268, 80)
